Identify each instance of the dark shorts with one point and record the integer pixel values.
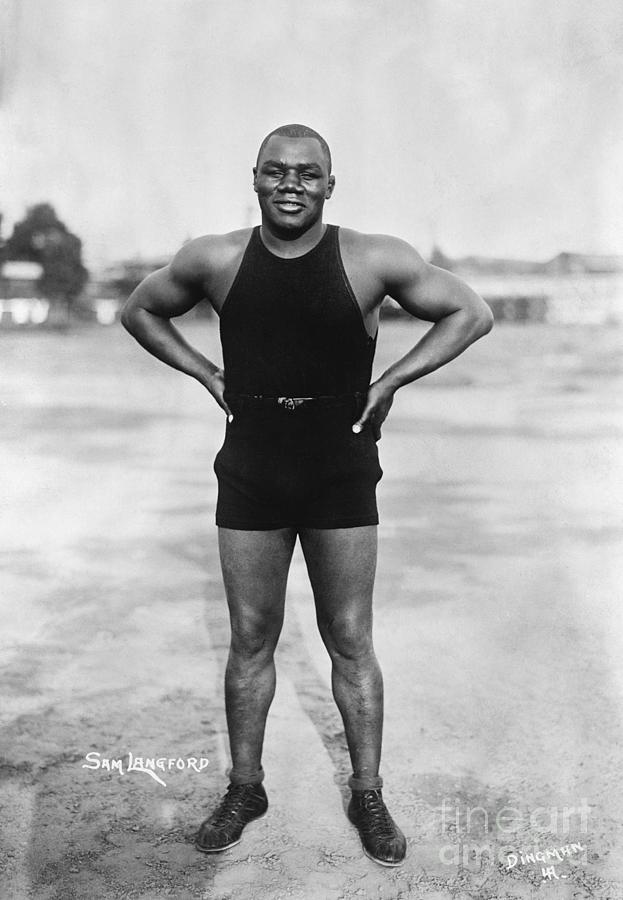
(303, 468)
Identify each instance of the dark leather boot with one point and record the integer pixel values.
(241, 804)
(382, 840)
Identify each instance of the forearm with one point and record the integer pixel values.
(163, 340)
(447, 339)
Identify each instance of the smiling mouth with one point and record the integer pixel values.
(289, 205)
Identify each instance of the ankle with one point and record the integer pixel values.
(246, 776)
(365, 782)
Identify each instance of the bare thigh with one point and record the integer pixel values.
(255, 567)
(341, 563)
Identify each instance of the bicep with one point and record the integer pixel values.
(423, 290)
(164, 293)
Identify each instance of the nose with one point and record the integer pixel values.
(290, 183)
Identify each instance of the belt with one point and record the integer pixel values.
(293, 403)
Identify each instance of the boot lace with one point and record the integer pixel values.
(231, 805)
(378, 822)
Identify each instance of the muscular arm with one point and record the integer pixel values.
(166, 293)
(459, 314)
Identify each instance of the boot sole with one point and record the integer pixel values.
(383, 862)
(233, 843)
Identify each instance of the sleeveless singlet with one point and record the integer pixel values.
(293, 327)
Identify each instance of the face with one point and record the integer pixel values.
(292, 182)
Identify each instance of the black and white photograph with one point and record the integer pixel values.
(311, 410)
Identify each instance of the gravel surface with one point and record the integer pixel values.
(498, 625)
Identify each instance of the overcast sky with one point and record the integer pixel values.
(490, 126)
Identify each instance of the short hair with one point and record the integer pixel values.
(298, 131)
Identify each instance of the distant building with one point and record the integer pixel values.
(584, 263)
(128, 273)
(108, 290)
(21, 299)
(490, 265)
(103, 299)
(116, 283)
(562, 264)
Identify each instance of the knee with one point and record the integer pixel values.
(347, 639)
(253, 639)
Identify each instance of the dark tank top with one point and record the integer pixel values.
(292, 327)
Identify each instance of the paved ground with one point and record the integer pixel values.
(498, 625)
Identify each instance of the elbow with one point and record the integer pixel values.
(127, 316)
(483, 319)
(488, 319)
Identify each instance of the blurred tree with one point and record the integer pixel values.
(41, 237)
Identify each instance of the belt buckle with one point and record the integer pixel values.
(290, 403)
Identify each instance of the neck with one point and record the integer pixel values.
(291, 244)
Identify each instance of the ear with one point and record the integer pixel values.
(330, 187)
(255, 179)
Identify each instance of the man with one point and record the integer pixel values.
(299, 303)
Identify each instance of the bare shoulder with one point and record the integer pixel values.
(201, 260)
(386, 257)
